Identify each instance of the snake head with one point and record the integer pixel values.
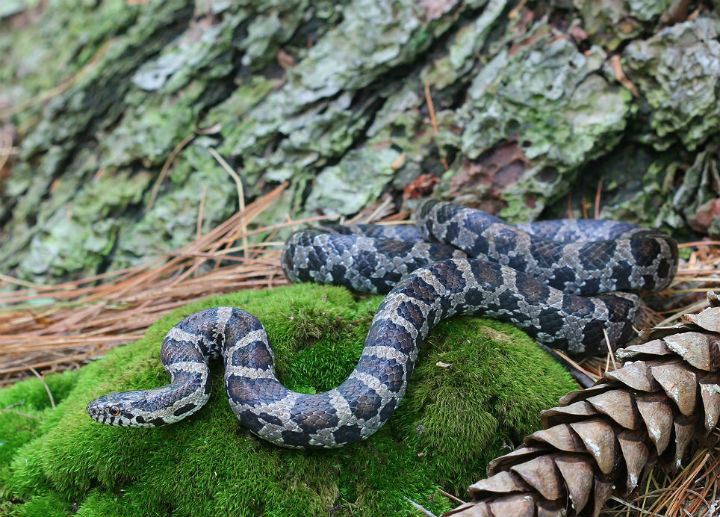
(119, 409)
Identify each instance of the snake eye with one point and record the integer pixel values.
(114, 410)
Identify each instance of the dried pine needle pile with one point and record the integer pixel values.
(83, 318)
(54, 328)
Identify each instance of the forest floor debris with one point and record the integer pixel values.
(58, 327)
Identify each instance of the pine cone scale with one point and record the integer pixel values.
(560, 437)
(599, 439)
(635, 375)
(696, 348)
(679, 383)
(503, 483)
(571, 413)
(540, 473)
(578, 475)
(658, 417)
(517, 456)
(710, 394)
(603, 491)
(684, 431)
(636, 454)
(618, 405)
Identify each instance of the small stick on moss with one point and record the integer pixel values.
(422, 509)
(450, 496)
(19, 413)
(597, 199)
(8, 409)
(47, 388)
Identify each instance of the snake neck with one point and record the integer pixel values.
(186, 394)
(359, 406)
(186, 351)
(227, 332)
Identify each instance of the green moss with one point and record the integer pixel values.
(479, 385)
(50, 505)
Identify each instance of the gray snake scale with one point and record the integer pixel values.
(564, 282)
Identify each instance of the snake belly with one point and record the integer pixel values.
(568, 283)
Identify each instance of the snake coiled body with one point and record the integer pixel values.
(567, 283)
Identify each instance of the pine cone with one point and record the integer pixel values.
(604, 439)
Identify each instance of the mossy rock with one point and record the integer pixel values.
(478, 388)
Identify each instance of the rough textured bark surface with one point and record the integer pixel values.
(604, 439)
(106, 104)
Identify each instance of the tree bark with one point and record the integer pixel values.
(110, 110)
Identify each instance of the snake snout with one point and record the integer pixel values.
(110, 409)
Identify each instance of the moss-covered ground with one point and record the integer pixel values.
(478, 387)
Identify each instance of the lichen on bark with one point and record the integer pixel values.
(678, 71)
(544, 95)
(531, 102)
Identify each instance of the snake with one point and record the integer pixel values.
(572, 284)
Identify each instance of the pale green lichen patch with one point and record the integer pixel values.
(543, 94)
(51, 49)
(509, 96)
(355, 182)
(465, 45)
(330, 96)
(611, 22)
(80, 236)
(173, 71)
(479, 385)
(312, 118)
(678, 73)
(61, 138)
(173, 217)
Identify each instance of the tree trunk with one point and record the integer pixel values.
(111, 111)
